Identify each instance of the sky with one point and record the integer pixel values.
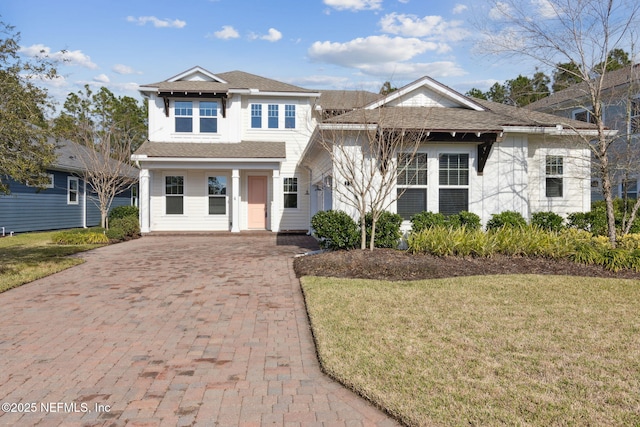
(315, 44)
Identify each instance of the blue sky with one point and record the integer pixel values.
(317, 44)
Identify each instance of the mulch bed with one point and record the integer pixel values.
(389, 264)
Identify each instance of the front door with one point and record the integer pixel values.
(257, 215)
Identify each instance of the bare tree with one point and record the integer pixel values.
(367, 149)
(579, 32)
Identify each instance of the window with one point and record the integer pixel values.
(217, 190)
(584, 116)
(289, 116)
(73, 189)
(256, 116)
(174, 194)
(634, 124)
(208, 117)
(412, 185)
(273, 116)
(134, 195)
(629, 189)
(290, 192)
(184, 116)
(454, 183)
(553, 172)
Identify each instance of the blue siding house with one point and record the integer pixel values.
(67, 202)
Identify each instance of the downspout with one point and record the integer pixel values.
(84, 204)
(310, 191)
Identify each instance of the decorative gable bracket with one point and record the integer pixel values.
(484, 150)
(223, 101)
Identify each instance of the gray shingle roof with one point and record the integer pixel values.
(239, 150)
(572, 95)
(74, 157)
(234, 80)
(494, 119)
(346, 99)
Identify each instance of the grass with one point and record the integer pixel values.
(490, 350)
(30, 256)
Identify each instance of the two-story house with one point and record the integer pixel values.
(235, 151)
(620, 99)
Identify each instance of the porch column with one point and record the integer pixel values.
(145, 201)
(235, 201)
(276, 202)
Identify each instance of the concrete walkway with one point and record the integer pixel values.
(170, 331)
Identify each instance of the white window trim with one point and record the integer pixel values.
(195, 117)
(165, 195)
(226, 196)
(69, 191)
(561, 176)
(297, 192)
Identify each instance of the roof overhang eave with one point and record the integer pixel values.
(557, 130)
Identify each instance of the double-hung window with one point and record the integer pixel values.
(289, 116)
(553, 173)
(73, 190)
(174, 194)
(217, 190)
(208, 117)
(634, 125)
(290, 188)
(184, 116)
(256, 116)
(453, 195)
(273, 116)
(411, 185)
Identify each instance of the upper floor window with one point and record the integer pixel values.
(553, 172)
(184, 116)
(208, 117)
(273, 116)
(634, 125)
(584, 116)
(256, 116)
(289, 116)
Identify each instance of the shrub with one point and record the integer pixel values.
(80, 237)
(506, 219)
(335, 229)
(424, 220)
(128, 224)
(115, 233)
(549, 221)
(465, 219)
(387, 229)
(122, 212)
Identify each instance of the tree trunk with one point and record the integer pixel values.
(372, 244)
(103, 218)
(608, 199)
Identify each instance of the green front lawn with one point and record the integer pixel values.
(30, 256)
(484, 350)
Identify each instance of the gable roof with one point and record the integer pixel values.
(346, 99)
(613, 81)
(241, 150)
(227, 82)
(69, 157)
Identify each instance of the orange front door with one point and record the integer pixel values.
(257, 216)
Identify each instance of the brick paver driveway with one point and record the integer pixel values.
(170, 330)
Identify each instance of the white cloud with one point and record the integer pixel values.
(227, 32)
(124, 69)
(369, 50)
(101, 78)
(273, 36)
(55, 82)
(459, 8)
(156, 22)
(67, 57)
(545, 9)
(317, 81)
(354, 5)
(500, 11)
(432, 26)
(412, 71)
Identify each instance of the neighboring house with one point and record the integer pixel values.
(235, 151)
(67, 202)
(621, 112)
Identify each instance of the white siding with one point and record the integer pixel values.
(423, 97)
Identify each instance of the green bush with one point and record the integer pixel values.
(506, 219)
(123, 211)
(80, 237)
(465, 219)
(115, 233)
(424, 220)
(128, 224)
(335, 230)
(387, 229)
(549, 221)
